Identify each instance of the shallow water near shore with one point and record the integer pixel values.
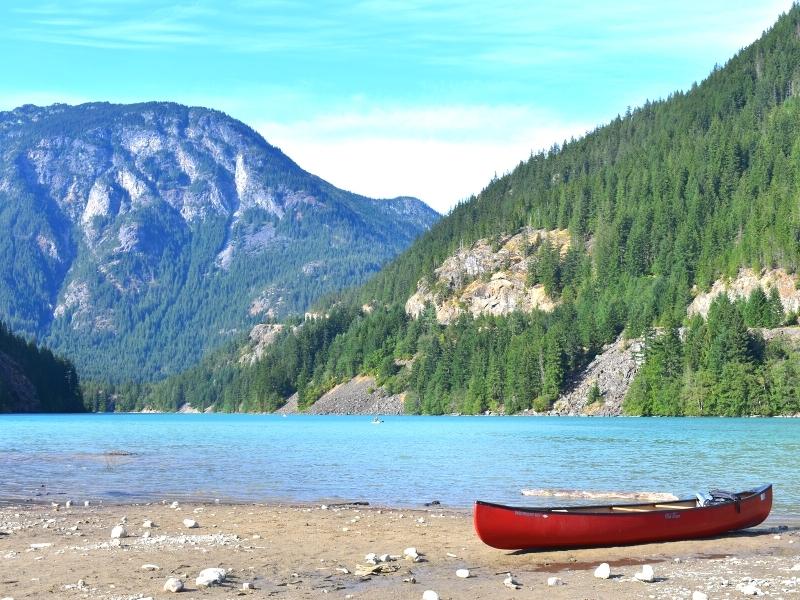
(404, 461)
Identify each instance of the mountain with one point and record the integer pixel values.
(33, 379)
(138, 237)
(506, 303)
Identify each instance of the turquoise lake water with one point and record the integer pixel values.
(404, 461)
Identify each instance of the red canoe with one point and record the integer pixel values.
(521, 528)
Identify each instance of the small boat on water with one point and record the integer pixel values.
(376, 420)
(524, 528)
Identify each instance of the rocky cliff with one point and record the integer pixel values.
(743, 285)
(488, 278)
(136, 237)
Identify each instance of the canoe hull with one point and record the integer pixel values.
(517, 528)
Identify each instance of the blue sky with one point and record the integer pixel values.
(381, 97)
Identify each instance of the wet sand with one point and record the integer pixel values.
(290, 551)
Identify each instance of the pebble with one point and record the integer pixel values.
(699, 596)
(212, 576)
(41, 545)
(190, 523)
(647, 574)
(796, 567)
(147, 524)
(411, 579)
(751, 590)
(150, 567)
(603, 571)
(119, 532)
(411, 554)
(86, 503)
(146, 534)
(247, 586)
(463, 573)
(173, 584)
(430, 595)
(68, 504)
(554, 581)
(174, 504)
(512, 583)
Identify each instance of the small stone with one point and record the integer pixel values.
(677, 559)
(190, 524)
(41, 545)
(147, 524)
(343, 570)
(411, 554)
(554, 581)
(371, 558)
(603, 571)
(174, 505)
(647, 574)
(123, 520)
(751, 590)
(462, 573)
(68, 504)
(420, 520)
(255, 536)
(118, 532)
(411, 579)
(209, 577)
(384, 558)
(699, 596)
(247, 586)
(512, 583)
(430, 595)
(150, 567)
(86, 503)
(796, 567)
(776, 537)
(146, 534)
(173, 584)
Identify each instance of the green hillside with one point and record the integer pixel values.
(673, 195)
(33, 379)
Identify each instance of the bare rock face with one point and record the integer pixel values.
(488, 279)
(746, 281)
(359, 396)
(261, 337)
(613, 371)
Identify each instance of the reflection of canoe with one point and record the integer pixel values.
(516, 528)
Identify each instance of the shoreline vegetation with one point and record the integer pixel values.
(351, 551)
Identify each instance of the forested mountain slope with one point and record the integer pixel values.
(659, 204)
(32, 379)
(138, 237)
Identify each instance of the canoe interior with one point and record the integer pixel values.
(685, 504)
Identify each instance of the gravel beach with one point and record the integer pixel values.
(316, 551)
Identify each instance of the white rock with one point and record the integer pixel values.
(699, 596)
(512, 583)
(385, 557)
(463, 573)
(41, 545)
(420, 520)
(751, 590)
(371, 558)
(123, 520)
(146, 534)
(603, 571)
(118, 532)
(554, 581)
(430, 595)
(147, 524)
(86, 503)
(173, 584)
(246, 585)
(647, 574)
(68, 504)
(212, 576)
(796, 567)
(150, 567)
(411, 554)
(174, 504)
(190, 523)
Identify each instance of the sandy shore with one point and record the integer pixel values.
(314, 552)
